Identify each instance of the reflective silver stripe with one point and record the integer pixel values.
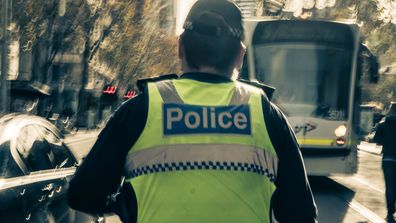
(201, 156)
(241, 95)
(168, 92)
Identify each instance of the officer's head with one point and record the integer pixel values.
(212, 38)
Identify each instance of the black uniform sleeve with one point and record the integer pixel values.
(292, 200)
(379, 133)
(100, 174)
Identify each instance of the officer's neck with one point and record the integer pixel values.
(204, 69)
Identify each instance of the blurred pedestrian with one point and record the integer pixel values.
(201, 147)
(385, 135)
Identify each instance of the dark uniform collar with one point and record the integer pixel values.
(206, 77)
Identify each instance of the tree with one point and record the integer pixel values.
(44, 33)
(138, 45)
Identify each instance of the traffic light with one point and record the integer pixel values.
(110, 90)
(109, 95)
(130, 94)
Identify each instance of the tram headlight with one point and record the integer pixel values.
(340, 131)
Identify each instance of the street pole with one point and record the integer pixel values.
(4, 60)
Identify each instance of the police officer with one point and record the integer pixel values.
(199, 148)
(385, 135)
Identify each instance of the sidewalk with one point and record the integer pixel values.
(370, 148)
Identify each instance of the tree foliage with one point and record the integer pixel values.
(139, 45)
(118, 39)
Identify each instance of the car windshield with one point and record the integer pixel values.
(311, 79)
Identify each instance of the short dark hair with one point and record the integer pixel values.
(202, 50)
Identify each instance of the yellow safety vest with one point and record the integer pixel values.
(204, 155)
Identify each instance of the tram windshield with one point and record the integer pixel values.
(311, 79)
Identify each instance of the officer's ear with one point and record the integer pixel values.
(180, 51)
(239, 59)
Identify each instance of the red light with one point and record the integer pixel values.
(130, 94)
(110, 90)
(340, 141)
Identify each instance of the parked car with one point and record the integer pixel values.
(35, 168)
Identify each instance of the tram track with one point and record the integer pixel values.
(339, 203)
(371, 216)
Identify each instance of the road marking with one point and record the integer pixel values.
(371, 216)
(364, 182)
(355, 205)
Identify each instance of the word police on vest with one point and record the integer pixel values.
(194, 119)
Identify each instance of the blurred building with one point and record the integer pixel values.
(66, 82)
(248, 7)
(27, 93)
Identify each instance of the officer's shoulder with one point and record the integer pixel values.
(268, 90)
(142, 83)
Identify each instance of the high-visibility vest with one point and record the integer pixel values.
(204, 155)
